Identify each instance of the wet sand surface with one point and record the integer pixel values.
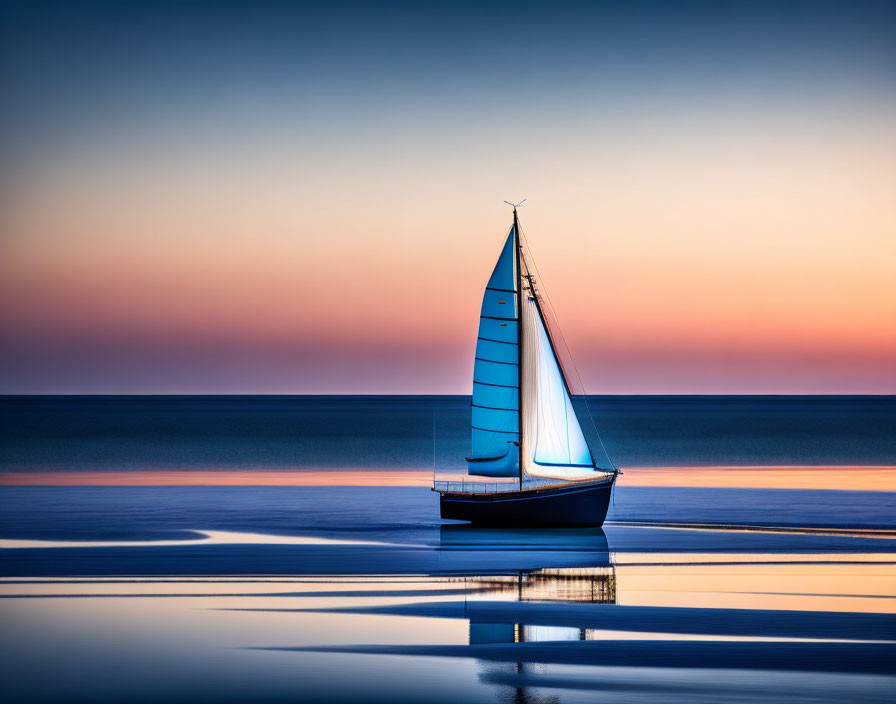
(354, 594)
(257, 549)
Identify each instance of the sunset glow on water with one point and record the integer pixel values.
(857, 478)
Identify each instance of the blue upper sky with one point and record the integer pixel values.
(287, 196)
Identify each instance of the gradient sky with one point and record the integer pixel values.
(282, 197)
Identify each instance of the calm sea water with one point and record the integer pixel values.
(359, 594)
(269, 432)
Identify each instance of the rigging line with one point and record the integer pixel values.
(575, 368)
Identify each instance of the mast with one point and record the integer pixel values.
(519, 342)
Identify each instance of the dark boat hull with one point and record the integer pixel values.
(570, 505)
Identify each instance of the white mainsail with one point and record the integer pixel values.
(526, 393)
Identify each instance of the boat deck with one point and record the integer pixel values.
(463, 486)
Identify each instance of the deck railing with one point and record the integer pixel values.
(467, 487)
(476, 487)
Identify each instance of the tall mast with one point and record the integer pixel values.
(519, 340)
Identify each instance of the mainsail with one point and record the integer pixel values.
(521, 401)
(496, 377)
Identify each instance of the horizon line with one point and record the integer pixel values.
(4, 395)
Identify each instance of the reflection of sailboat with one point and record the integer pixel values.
(591, 582)
(552, 543)
(479, 550)
(592, 585)
(579, 585)
(524, 424)
(490, 600)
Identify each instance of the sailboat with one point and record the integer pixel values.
(524, 424)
